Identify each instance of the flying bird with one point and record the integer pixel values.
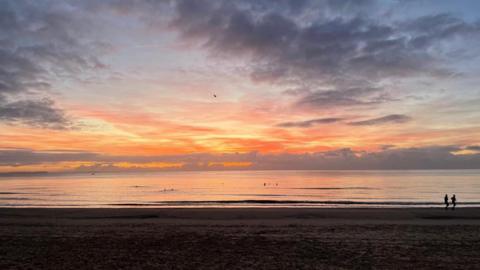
(214, 95)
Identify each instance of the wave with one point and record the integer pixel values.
(337, 188)
(284, 202)
(237, 203)
(14, 199)
(23, 174)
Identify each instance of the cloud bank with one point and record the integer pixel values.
(389, 158)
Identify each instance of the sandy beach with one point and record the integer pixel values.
(239, 238)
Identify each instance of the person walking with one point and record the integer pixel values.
(454, 202)
(446, 201)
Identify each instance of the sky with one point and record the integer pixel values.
(120, 85)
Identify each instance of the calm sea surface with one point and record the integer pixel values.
(245, 188)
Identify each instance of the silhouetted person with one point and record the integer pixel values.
(454, 202)
(446, 201)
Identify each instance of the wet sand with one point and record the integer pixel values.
(273, 238)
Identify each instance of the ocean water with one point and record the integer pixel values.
(243, 189)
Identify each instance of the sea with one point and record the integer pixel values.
(416, 188)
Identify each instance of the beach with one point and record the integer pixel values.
(239, 238)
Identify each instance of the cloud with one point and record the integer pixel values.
(339, 42)
(309, 123)
(338, 98)
(438, 27)
(37, 113)
(284, 46)
(389, 119)
(39, 42)
(473, 147)
(17, 73)
(296, 43)
(430, 157)
(23, 157)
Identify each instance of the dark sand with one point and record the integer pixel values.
(239, 238)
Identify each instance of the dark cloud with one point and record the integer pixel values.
(36, 113)
(309, 123)
(473, 147)
(18, 157)
(280, 46)
(344, 97)
(325, 47)
(436, 157)
(40, 41)
(22, 157)
(433, 157)
(389, 119)
(432, 28)
(298, 48)
(18, 74)
(387, 146)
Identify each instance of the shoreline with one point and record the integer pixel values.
(233, 204)
(412, 215)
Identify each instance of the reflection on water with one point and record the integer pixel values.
(245, 188)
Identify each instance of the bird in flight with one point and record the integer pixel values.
(214, 95)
